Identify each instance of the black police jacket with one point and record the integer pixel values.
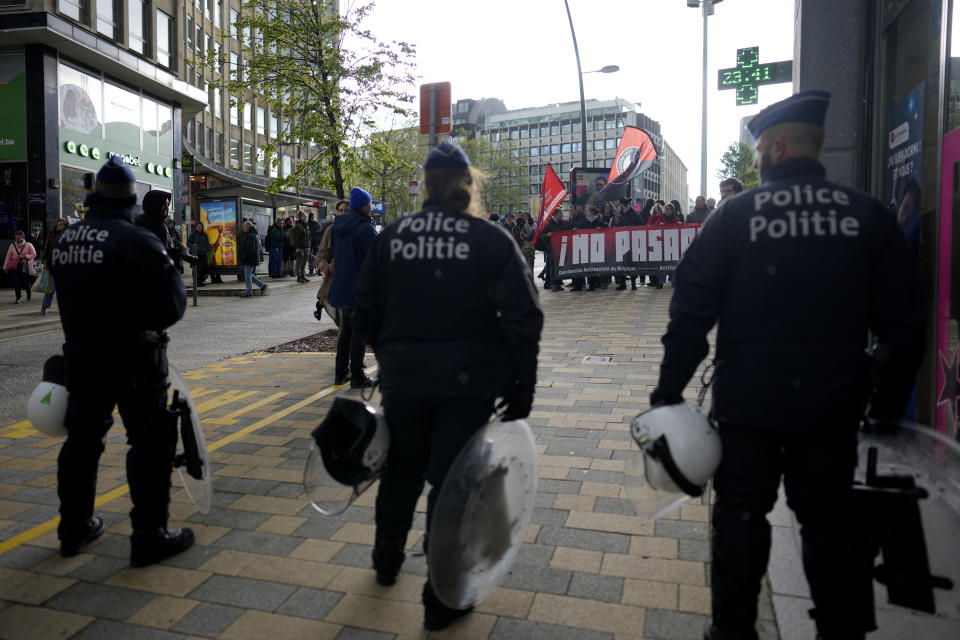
(795, 273)
(448, 304)
(115, 282)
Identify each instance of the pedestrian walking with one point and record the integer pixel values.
(48, 295)
(325, 265)
(353, 233)
(19, 264)
(249, 249)
(791, 375)
(276, 240)
(118, 291)
(446, 350)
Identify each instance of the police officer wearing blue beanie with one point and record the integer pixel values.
(446, 301)
(118, 291)
(352, 236)
(796, 274)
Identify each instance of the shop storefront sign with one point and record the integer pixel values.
(13, 107)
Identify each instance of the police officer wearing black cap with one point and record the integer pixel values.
(797, 274)
(118, 291)
(447, 302)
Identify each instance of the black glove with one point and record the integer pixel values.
(188, 257)
(517, 406)
(660, 398)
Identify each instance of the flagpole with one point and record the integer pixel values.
(583, 104)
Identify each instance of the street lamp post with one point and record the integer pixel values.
(610, 68)
(707, 6)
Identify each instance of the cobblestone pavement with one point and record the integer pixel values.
(266, 565)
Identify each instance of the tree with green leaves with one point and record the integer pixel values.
(506, 184)
(326, 76)
(387, 162)
(737, 161)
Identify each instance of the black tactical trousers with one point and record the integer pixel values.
(817, 469)
(350, 348)
(152, 436)
(426, 434)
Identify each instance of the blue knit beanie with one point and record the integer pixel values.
(359, 198)
(115, 180)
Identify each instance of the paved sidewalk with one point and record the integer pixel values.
(266, 565)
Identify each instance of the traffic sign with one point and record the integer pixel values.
(378, 207)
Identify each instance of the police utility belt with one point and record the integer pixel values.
(125, 362)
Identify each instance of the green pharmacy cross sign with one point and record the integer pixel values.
(750, 73)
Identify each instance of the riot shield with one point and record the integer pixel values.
(482, 512)
(642, 485)
(908, 499)
(190, 459)
(349, 449)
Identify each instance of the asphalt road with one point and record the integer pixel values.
(220, 327)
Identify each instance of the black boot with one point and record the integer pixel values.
(70, 547)
(437, 615)
(388, 557)
(149, 546)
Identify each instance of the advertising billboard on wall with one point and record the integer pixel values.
(219, 218)
(13, 107)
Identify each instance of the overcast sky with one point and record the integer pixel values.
(521, 52)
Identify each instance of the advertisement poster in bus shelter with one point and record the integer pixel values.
(645, 250)
(219, 218)
(905, 161)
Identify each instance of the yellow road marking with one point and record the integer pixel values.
(229, 418)
(225, 398)
(37, 531)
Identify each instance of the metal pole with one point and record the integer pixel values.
(707, 5)
(583, 106)
(433, 115)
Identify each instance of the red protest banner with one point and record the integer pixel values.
(620, 250)
(551, 194)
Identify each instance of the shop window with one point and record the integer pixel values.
(165, 127)
(81, 100)
(121, 115)
(164, 38)
(150, 127)
(248, 157)
(79, 10)
(107, 11)
(138, 26)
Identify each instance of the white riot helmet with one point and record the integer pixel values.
(47, 406)
(679, 452)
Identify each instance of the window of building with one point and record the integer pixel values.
(544, 149)
(234, 66)
(107, 18)
(523, 133)
(164, 38)
(575, 147)
(534, 189)
(611, 143)
(287, 165)
(565, 127)
(188, 32)
(248, 157)
(81, 101)
(261, 120)
(217, 103)
(248, 116)
(576, 126)
(544, 130)
(234, 113)
(565, 147)
(534, 131)
(234, 16)
(76, 9)
(554, 129)
(533, 170)
(208, 8)
(200, 40)
(611, 123)
(534, 152)
(191, 127)
(121, 115)
(555, 149)
(210, 143)
(218, 10)
(150, 126)
(261, 162)
(206, 87)
(165, 127)
(598, 145)
(137, 26)
(247, 41)
(210, 48)
(218, 57)
(273, 125)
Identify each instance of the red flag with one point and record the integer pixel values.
(634, 155)
(551, 194)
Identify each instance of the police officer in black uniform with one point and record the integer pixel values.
(118, 291)
(447, 302)
(796, 274)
